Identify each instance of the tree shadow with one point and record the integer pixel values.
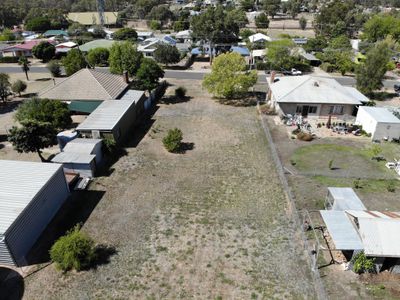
(43, 79)
(186, 147)
(11, 284)
(103, 254)
(381, 96)
(76, 209)
(28, 95)
(174, 100)
(6, 107)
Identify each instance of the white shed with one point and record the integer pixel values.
(81, 163)
(380, 122)
(86, 146)
(31, 193)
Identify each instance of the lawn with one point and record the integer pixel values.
(211, 223)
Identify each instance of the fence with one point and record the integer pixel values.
(319, 287)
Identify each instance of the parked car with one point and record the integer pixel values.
(397, 89)
(292, 72)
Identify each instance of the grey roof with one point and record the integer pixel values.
(106, 115)
(341, 230)
(380, 114)
(311, 89)
(87, 84)
(71, 157)
(309, 56)
(20, 182)
(356, 94)
(345, 198)
(134, 95)
(81, 145)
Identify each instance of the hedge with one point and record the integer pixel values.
(9, 59)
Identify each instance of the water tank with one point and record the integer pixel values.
(66, 136)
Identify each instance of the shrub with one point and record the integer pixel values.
(362, 264)
(327, 67)
(391, 187)
(172, 142)
(303, 136)
(9, 59)
(54, 68)
(18, 87)
(75, 250)
(357, 183)
(330, 164)
(180, 92)
(155, 25)
(109, 145)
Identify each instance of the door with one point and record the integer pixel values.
(304, 111)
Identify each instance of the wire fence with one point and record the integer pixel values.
(318, 284)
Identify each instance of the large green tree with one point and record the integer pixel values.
(5, 86)
(167, 54)
(271, 7)
(149, 74)
(124, 57)
(380, 26)
(44, 51)
(73, 62)
(54, 112)
(32, 136)
(98, 57)
(228, 77)
(125, 34)
(370, 74)
(39, 24)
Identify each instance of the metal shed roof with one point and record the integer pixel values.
(380, 114)
(341, 230)
(107, 115)
(74, 158)
(20, 182)
(380, 236)
(134, 95)
(79, 145)
(345, 198)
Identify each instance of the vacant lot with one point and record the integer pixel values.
(208, 224)
(310, 176)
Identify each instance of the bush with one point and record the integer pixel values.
(54, 68)
(262, 66)
(18, 86)
(357, 184)
(172, 142)
(75, 250)
(109, 145)
(98, 57)
(180, 92)
(155, 25)
(327, 67)
(391, 187)
(362, 264)
(303, 136)
(9, 59)
(330, 164)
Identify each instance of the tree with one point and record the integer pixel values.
(7, 35)
(167, 54)
(4, 86)
(155, 25)
(76, 29)
(149, 74)
(181, 25)
(98, 57)
(98, 32)
(44, 51)
(271, 7)
(24, 62)
(75, 250)
(161, 13)
(229, 78)
(380, 26)
(294, 8)
(124, 57)
(54, 68)
(303, 23)
(369, 75)
(18, 87)
(73, 62)
(340, 42)
(39, 24)
(32, 136)
(125, 34)
(54, 112)
(279, 54)
(317, 44)
(173, 140)
(262, 21)
(247, 5)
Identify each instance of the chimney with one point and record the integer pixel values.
(126, 77)
(273, 74)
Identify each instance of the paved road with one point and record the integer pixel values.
(349, 81)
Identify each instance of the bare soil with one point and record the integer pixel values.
(211, 223)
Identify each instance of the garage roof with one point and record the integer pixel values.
(81, 145)
(20, 182)
(380, 114)
(74, 158)
(345, 198)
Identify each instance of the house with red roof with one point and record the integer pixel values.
(22, 49)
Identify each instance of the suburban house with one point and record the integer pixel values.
(352, 229)
(92, 18)
(87, 88)
(31, 193)
(313, 97)
(259, 38)
(51, 33)
(22, 49)
(143, 35)
(112, 119)
(148, 46)
(380, 122)
(65, 47)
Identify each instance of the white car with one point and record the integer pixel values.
(295, 72)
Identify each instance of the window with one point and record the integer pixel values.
(312, 110)
(336, 109)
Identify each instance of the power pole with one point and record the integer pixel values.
(100, 9)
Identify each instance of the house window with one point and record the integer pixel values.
(312, 110)
(336, 110)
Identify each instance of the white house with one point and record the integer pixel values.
(380, 122)
(259, 38)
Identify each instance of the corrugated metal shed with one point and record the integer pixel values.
(372, 214)
(380, 114)
(345, 199)
(133, 95)
(20, 181)
(80, 145)
(76, 158)
(380, 236)
(107, 115)
(341, 230)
